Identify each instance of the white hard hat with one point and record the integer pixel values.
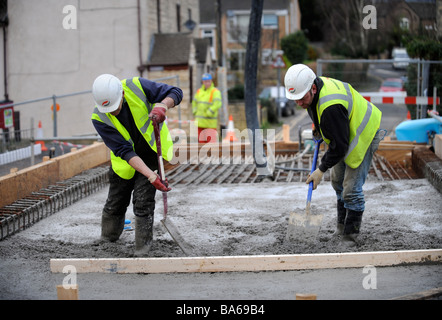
(107, 91)
(298, 81)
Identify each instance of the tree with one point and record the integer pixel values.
(426, 48)
(344, 25)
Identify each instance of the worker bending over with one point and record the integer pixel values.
(123, 116)
(349, 124)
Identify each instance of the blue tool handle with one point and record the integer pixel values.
(315, 160)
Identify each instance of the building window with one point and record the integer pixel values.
(266, 56)
(404, 24)
(237, 27)
(269, 21)
(210, 35)
(237, 59)
(429, 27)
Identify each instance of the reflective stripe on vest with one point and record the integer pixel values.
(120, 166)
(364, 117)
(140, 109)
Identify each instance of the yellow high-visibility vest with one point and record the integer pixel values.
(140, 108)
(205, 106)
(364, 117)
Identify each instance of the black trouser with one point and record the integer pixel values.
(120, 192)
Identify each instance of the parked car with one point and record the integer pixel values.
(400, 58)
(392, 85)
(287, 106)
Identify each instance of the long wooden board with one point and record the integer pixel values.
(248, 263)
(22, 183)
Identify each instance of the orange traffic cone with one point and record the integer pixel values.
(230, 136)
(39, 135)
(408, 115)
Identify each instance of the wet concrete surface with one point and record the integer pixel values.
(243, 219)
(238, 219)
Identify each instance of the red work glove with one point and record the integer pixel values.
(158, 113)
(158, 183)
(161, 185)
(165, 182)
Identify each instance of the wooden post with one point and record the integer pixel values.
(286, 133)
(305, 296)
(67, 294)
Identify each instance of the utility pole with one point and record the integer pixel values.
(219, 42)
(250, 75)
(221, 70)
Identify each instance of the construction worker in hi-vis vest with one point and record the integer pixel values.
(349, 124)
(123, 115)
(205, 105)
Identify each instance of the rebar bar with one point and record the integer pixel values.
(27, 211)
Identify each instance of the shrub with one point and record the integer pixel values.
(236, 93)
(295, 47)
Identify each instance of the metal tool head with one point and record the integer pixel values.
(186, 247)
(305, 226)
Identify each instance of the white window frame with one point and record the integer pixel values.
(241, 60)
(404, 23)
(232, 22)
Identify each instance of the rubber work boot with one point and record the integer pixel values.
(143, 235)
(352, 226)
(111, 227)
(342, 213)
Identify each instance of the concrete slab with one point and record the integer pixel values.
(225, 220)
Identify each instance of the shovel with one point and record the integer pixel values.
(167, 223)
(305, 226)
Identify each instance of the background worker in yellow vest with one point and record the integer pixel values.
(123, 118)
(205, 106)
(349, 125)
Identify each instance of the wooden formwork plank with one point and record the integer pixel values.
(248, 263)
(22, 183)
(69, 293)
(396, 150)
(73, 163)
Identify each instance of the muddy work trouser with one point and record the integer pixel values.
(348, 182)
(118, 199)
